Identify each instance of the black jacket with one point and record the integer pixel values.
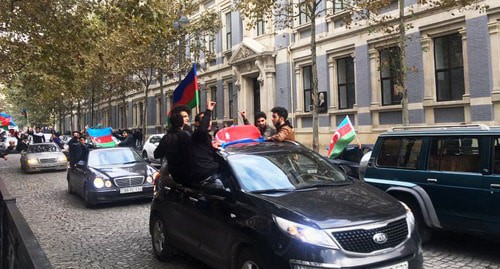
(128, 142)
(203, 162)
(75, 151)
(176, 148)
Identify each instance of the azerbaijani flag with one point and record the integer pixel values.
(187, 91)
(102, 137)
(341, 138)
(6, 120)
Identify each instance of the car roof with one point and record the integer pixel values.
(477, 129)
(264, 147)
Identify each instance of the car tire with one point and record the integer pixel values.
(424, 231)
(248, 259)
(86, 199)
(160, 239)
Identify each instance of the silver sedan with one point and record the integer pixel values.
(43, 156)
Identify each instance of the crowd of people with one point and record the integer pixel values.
(191, 152)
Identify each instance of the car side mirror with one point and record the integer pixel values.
(214, 187)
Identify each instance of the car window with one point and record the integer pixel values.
(496, 155)
(400, 152)
(456, 154)
(285, 170)
(43, 148)
(155, 139)
(351, 154)
(113, 157)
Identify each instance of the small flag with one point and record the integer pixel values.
(341, 138)
(6, 120)
(102, 137)
(187, 91)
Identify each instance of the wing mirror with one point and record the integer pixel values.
(214, 187)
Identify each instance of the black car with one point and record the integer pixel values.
(282, 205)
(350, 157)
(110, 175)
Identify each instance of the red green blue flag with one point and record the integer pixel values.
(187, 91)
(102, 137)
(341, 138)
(6, 120)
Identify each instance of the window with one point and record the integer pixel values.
(400, 152)
(304, 16)
(496, 156)
(345, 74)
(261, 30)
(339, 5)
(307, 86)
(232, 96)
(229, 44)
(460, 154)
(213, 97)
(389, 72)
(211, 43)
(448, 60)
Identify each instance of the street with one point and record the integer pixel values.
(117, 236)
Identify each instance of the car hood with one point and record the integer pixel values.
(123, 170)
(333, 206)
(44, 155)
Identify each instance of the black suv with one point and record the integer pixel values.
(282, 205)
(448, 175)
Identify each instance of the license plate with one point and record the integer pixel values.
(130, 190)
(403, 265)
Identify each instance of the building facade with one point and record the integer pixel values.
(453, 78)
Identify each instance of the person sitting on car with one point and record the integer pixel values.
(284, 130)
(38, 136)
(74, 149)
(265, 129)
(129, 140)
(175, 148)
(202, 151)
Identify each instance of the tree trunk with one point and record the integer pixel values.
(314, 90)
(78, 123)
(403, 89)
(110, 110)
(162, 103)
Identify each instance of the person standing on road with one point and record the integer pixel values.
(266, 130)
(284, 130)
(38, 136)
(74, 149)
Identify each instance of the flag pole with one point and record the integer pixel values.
(197, 95)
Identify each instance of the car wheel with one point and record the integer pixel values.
(160, 238)
(86, 199)
(424, 231)
(247, 259)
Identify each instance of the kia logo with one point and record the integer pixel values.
(380, 238)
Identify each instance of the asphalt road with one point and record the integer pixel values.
(117, 236)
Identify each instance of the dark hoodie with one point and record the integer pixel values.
(203, 162)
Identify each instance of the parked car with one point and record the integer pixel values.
(43, 156)
(149, 148)
(448, 176)
(350, 157)
(282, 205)
(111, 174)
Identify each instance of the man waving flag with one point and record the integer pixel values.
(341, 138)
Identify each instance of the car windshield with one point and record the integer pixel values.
(284, 171)
(42, 148)
(155, 139)
(113, 157)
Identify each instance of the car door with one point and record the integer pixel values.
(491, 189)
(454, 180)
(77, 177)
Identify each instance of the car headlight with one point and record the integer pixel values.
(107, 183)
(305, 233)
(62, 159)
(32, 161)
(149, 179)
(98, 182)
(410, 219)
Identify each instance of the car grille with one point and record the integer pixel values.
(129, 181)
(361, 241)
(48, 160)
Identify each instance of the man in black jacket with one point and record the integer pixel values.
(202, 152)
(74, 149)
(128, 142)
